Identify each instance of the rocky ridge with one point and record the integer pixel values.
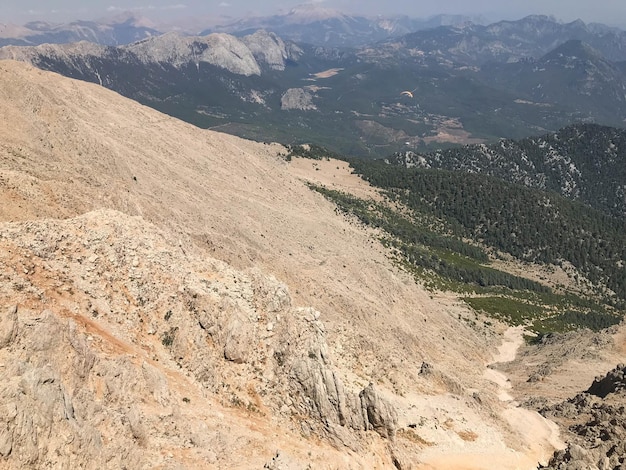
(64, 382)
(596, 420)
(247, 56)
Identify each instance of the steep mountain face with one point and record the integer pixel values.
(584, 162)
(121, 30)
(174, 50)
(573, 75)
(271, 51)
(506, 41)
(178, 297)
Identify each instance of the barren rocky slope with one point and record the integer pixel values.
(177, 298)
(596, 421)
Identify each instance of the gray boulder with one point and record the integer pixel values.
(297, 98)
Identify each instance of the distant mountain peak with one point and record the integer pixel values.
(539, 18)
(579, 22)
(574, 49)
(312, 12)
(317, 8)
(39, 25)
(130, 18)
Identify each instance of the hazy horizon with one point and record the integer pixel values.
(611, 12)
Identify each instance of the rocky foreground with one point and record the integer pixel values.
(596, 421)
(102, 300)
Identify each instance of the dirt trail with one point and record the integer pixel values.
(512, 340)
(538, 437)
(541, 435)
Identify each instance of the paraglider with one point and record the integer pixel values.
(407, 93)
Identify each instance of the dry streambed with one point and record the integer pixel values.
(535, 436)
(540, 435)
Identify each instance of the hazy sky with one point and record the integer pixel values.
(19, 11)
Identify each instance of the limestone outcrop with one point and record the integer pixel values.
(297, 98)
(88, 368)
(596, 421)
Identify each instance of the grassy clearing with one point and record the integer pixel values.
(511, 311)
(553, 314)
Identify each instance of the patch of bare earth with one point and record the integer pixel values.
(333, 174)
(327, 73)
(451, 130)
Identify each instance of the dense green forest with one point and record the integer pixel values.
(528, 224)
(420, 246)
(583, 162)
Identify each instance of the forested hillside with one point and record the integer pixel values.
(528, 224)
(583, 162)
(550, 203)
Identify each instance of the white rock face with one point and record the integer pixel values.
(228, 52)
(222, 50)
(270, 49)
(62, 51)
(170, 47)
(297, 98)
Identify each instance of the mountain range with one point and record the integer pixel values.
(507, 41)
(122, 29)
(314, 24)
(307, 23)
(464, 84)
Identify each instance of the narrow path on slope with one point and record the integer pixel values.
(513, 339)
(540, 435)
(537, 437)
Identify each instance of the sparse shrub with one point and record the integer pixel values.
(169, 336)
